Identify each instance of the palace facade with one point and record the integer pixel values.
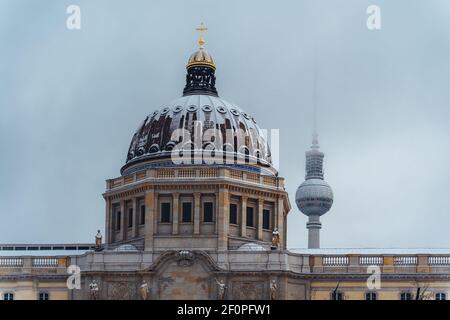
(199, 212)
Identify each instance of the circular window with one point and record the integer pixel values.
(165, 110)
(170, 145)
(154, 148)
(207, 108)
(246, 116)
(140, 152)
(192, 108)
(221, 109)
(177, 109)
(234, 112)
(154, 114)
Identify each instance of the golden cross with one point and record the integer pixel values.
(201, 42)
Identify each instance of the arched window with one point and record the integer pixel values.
(337, 295)
(208, 211)
(405, 296)
(233, 213)
(8, 296)
(440, 296)
(266, 219)
(250, 217)
(371, 296)
(43, 296)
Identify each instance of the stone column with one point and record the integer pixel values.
(123, 220)
(260, 218)
(197, 205)
(150, 213)
(134, 230)
(244, 216)
(175, 212)
(108, 223)
(223, 219)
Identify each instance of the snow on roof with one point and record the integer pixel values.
(344, 251)
(41, 253)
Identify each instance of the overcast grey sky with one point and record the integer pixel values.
(70, 102)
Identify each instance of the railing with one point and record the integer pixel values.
(175, 173)
(46, 247)
(271, 181)
(439, 260)
(11, 262)
(405, 260)
(253, 177)
(335, 261)
(236, 174)
(210, 172)
(165, 173)
(44, 262)
(128, 179)
(358, 263)
(33, 264)
(371, 260)
(141, 175)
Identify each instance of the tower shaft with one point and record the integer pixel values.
(314, 225)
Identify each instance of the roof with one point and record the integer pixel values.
(345, 251)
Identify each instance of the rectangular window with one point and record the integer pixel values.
(187, 212)
(165, 212)
(440, 296)
(250, 217)
(118, 220)
(233, 213)
(371, 296)
(207, 212)
(405, 296)
(8, 296)
(336, 295)
(142, 215)
(130, 217)
(43, 296)
(266, 219)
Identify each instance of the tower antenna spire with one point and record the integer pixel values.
(315, 135)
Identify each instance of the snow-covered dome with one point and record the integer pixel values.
(210, 123)
(155, 136)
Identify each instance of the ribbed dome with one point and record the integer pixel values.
(314, 197)
(201, 58)
(153, 139)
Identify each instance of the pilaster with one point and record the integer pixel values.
(244, 216)
(175, 212)
(150, 213)
(197, 206)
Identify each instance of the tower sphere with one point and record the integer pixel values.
(314, 197)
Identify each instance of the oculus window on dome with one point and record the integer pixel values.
(200, 127)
